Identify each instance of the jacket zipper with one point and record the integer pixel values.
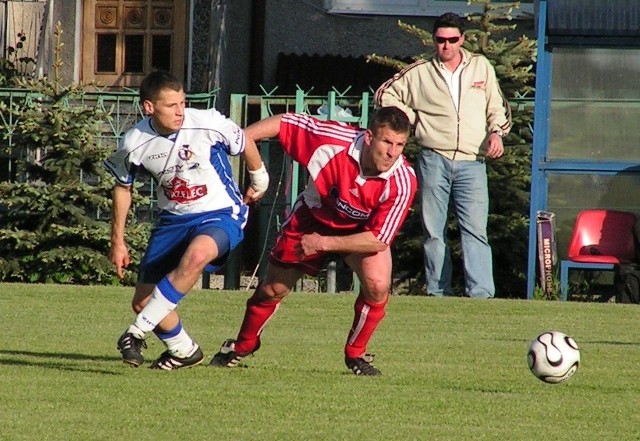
(455, 152)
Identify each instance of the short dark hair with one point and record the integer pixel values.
(157, 80)
(449, 20)
(391, 117)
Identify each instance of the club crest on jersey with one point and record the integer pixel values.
(184, 153)
(180, 191)
(344, 207)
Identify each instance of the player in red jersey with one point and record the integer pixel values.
(359, 192)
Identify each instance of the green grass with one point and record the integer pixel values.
(453, 369)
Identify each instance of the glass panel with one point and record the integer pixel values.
(569, 194)
(414, 7)
(134, 53)
(595, 105)
(161, 52)
(106, 53)
(494, 1)
(372, 4)
(596, 73)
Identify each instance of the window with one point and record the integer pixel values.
(414, 7)
(123, 40)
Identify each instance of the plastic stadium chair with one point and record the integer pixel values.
(601, 240)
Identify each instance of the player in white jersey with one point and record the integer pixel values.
(202, 215)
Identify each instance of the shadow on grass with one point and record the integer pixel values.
(596, 342)
(47, 362)
(609, 342)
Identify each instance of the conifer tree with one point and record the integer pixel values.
(54, 221)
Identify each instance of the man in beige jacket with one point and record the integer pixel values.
(460, 116)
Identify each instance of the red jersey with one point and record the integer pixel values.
(338, 195)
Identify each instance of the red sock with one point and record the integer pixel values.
(256, 316)
(365, 321)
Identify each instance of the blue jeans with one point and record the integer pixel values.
(465, 181)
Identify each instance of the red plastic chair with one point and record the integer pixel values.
(601, 239)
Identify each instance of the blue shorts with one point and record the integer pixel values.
(173, 233)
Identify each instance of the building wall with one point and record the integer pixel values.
(65, 13)
(303, 27)
(200, 43)
(238, 51)
(221, 48)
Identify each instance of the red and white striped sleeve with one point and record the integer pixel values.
(395, 204)
(300, 135)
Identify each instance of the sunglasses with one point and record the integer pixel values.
(450, 40)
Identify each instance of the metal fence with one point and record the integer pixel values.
(287, 178)
(123, 109)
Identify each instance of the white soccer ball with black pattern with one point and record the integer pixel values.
(553, 357)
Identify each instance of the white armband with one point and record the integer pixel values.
(259, 180)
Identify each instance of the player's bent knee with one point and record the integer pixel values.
(274, 291)
(378, 286)
(377, 292)
(195, 262)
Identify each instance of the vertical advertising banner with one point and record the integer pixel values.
(547, 251)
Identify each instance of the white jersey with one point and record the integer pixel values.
(191, 166)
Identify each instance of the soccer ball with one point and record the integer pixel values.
(553, 357)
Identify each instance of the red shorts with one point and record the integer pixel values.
(300, 222)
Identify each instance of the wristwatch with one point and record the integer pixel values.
(500, 133)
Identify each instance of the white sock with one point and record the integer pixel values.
(164, 299)
(137, 332)
(181, 345)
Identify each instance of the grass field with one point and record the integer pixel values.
(453, 369)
